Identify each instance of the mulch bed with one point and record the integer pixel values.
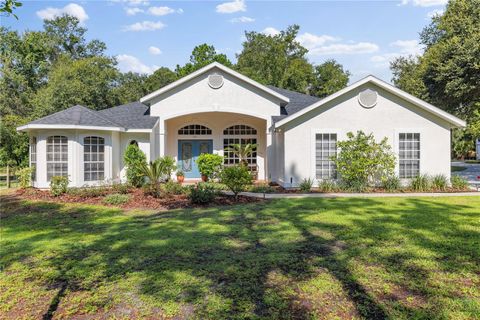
(279, 189)
(138, 200)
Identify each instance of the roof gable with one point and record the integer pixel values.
(454, 121)
(206, 69)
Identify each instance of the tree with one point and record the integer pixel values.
(87, 82)
(160, 78)
(362, 161)
(14, 145)
(129, 87)
(298, 76)
(201, 56)
(7, 7)
(269, 59)
(329, 78)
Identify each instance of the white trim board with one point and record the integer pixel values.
(454, 121)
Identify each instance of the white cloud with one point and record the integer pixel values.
(435, 12)
(345, 48)
(160, 11)
(242, 19)
(133, 11)
(132, 3)
(408, 47)
(231, 7)
(311, 41)
(127, 63)
(271, 31)
(72, 9)
(144, 26)
(403, 48)
(154, 50)
(425, 3)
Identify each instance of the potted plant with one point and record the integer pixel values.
(209, 165)
(180, 176)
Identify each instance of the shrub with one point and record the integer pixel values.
(167, 165)
(209, 164)
(459, 183)
(327, 186)
(420, 183)
(440, 182)
(391, 183)
(88, 192)
(236, 178)
(122, 188)
(134, 158)
(172, 188)
(202, 193)
(306, 184)
(362, 161)
(261, 188)
(58, 185)
(156, 171)
(116, 199)
(25, 177)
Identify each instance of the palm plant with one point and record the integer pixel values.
(156, 171)
(242, 151)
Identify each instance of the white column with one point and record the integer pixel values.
(162, 138)
(269, 156)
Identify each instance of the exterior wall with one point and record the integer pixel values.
(75, 155)
(143, 140)
(388, 118)
(197, 96)
(216, 121)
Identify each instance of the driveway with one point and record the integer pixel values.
(471, 172)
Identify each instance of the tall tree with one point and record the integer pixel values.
(129, 87)
(201, 56)
(87, 81)
(329, 78)
(160, 78)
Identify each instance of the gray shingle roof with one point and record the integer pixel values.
(134, 115)
(298, 101)
(77, 115)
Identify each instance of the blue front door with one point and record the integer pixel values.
(188, 152)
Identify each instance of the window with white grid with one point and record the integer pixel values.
(325, 149)
(409, 155)
(240, 129)
(194, 130)
(93, 158)
(33, 156)
(230, 158)
(57, 156)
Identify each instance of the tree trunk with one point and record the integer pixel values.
(8, 176)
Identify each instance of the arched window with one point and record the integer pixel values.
(57, 156)
(239, 134)
(240, 129)
(194, 130)
(93, 158)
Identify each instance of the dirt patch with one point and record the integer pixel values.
(138, 200)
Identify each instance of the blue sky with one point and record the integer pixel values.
(362, 35)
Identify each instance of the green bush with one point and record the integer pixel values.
(327, 186)
(116, 199)
(421, 183)
(459, 183)
(362, 161)
(153, 189)
(306, 184)
(122, 188)
(237, 178)
(439, 182)
(24, 176)
(261, 188)
(134, 158)
(155, 172)
(173, 188)
(58, 185)
(88, 192)
(391, 184)
(209, 164)
(202, 193)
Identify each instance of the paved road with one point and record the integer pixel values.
(471, 173)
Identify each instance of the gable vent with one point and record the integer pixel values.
(215, 81)
(367, 98)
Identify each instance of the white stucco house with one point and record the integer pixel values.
(215, 106)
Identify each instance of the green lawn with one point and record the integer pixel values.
(374, 258)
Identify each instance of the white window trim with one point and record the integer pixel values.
(396, 150)
(69, 164)
(313, 149)
(107, 158)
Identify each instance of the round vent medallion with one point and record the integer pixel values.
(215, 81)
(367, 98)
